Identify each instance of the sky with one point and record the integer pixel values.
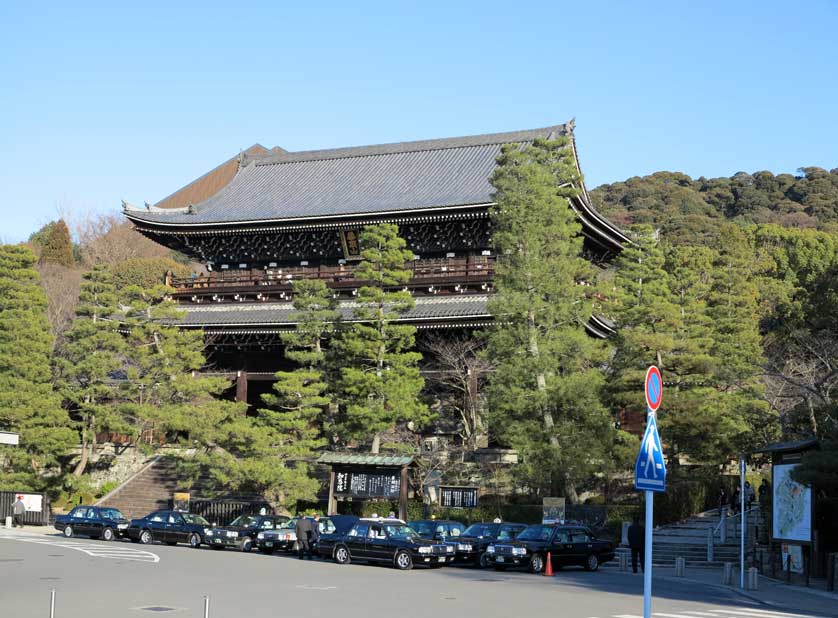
(101, 102)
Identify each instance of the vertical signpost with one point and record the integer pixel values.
(650, 474)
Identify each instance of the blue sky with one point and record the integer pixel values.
(107, 101)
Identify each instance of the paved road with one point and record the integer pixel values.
(94, 579)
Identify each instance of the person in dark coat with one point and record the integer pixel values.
(304, 531)
(637, 543)
(722, 502)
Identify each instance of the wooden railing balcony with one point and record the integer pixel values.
(428, 272)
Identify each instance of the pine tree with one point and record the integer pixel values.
(545, 393)
(733, 308)
(87, 363)
(57, 246)
(28, 404)
(294, 418)
(379, 378)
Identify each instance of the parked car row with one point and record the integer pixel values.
(346, 539)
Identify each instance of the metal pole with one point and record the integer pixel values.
(206, 607)
(52, 603)
(647, 557)
(742, 522)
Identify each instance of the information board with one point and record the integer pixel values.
(368, 483)
(458, 497)
(792, 514)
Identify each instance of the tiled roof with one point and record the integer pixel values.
(364, 460)
(354, 181)
(210, 183)
(279, 314)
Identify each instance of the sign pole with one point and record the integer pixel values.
(650, 475)
(647, 556)
(742, 521)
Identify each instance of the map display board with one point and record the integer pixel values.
(458, 497)
(792, 507)
(368, 483)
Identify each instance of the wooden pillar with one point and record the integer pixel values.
(332, 508)
(403, 495)
(241, 386)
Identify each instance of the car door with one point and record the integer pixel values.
(561, 548)
(93, 522)
(378, 545)
(176, 529)
(356, 541)
(156, 523)
(583, 545)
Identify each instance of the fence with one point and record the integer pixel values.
(30, 518)
(222, 512)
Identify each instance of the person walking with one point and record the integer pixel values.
(764, 493)
(304, 531)
(637, 543)
(722, 502)
(315, 532)
(18, 509)
(734, 503)
(750, 494)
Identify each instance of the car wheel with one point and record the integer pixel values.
(342, 555)
(68, 531)
(536, 563)
(145, 537)
(403, 561)
(247, 545)
(108, 534)
(483, 561)
(194, 541)
(267, 552)
(592, 563)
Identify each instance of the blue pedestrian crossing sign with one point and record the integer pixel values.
(650, 470)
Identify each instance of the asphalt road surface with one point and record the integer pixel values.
(95, 579)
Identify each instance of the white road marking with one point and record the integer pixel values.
(750, 612)
(672, 615)
(95, 550)
(694, 613)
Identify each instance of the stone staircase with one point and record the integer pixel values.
(148, 490)
(688, 539)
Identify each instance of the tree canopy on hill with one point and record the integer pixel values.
(683, 207)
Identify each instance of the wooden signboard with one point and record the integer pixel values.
(367, 483)
(458, 497)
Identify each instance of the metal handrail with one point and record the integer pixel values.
(735, 517)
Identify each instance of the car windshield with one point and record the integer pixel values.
(291, 523)
(400, 530)
(246, 521)
(111, 514)
(480, 530)
(536, 533)
(195, 519)
(424, 528)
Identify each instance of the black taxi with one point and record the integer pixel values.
(170, 527)
(98, 522)
(566, 544)
(386, 541)
(470, 547)
(242, 532)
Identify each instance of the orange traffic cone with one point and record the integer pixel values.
(548, 568)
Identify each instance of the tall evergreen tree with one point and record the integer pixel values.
(87, 363)
(379, 378)
(57, 247)
(545, 393)
(293, 421)
(733, 308)
(28, 404)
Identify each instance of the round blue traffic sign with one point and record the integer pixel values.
(654, 388)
